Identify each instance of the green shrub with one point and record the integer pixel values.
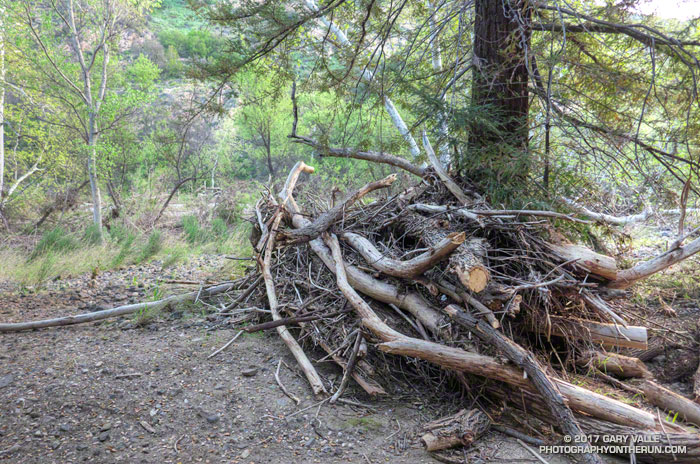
(152, 246)
(56, 240)
(92, 235)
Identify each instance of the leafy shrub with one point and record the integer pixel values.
(56, 240)
(152, 246)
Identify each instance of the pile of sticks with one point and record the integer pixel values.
(433, 273)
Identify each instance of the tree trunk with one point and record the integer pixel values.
(501, 38)
(92, 174)
(2, 104)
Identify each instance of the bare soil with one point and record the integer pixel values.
(119, 391)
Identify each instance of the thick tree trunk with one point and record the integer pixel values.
(501, 38)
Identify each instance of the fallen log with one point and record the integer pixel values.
(672, 402)
(624, 367)
(406, 269)
(590, 261)
(115, 312)
(609, 335)
(461, 429)
(526, 361)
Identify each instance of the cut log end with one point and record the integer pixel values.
(474, 279)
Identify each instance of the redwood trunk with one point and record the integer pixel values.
(499, 89)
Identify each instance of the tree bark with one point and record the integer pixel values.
(461, 429)
(670, 401)
(500, 83)
(614, 364)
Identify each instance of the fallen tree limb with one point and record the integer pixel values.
(442, 174)
(114, 312)
(620, 220)
(461, 429)
(406, 269)
(325, 220)
(306, 366)
(627, 277)
(466, 262)
(595, 263)
(607, 334)
(394, 342)
(672, 402)
(348, 369)
(614, 364)
(526, 361)
(373, 156)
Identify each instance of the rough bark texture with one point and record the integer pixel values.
(671, 402)
(614, 364)
(461, 429)
(501, 77)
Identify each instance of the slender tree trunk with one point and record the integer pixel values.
(499, 89)
(92, 174)
(2, 104)
(436, 55)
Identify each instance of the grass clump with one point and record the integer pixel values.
(92, 235)
(152, 246)
(194, 233)
(56, 240)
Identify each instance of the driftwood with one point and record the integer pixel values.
(115, 312)
(461, 429)
(407, 269)
(606, 334)
(614, 364)
(672, 402)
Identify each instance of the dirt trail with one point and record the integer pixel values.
(114, 392)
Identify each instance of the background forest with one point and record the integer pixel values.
(169, 116)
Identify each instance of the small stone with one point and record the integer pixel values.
(6, 380)
(64, 427)
(250, 372)
(245, 454)
(309, 442)
(49, 371)
(81, 447)
(212, 418)
(104, 436)
(38, 433)
(106, 426)
(55, 444)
